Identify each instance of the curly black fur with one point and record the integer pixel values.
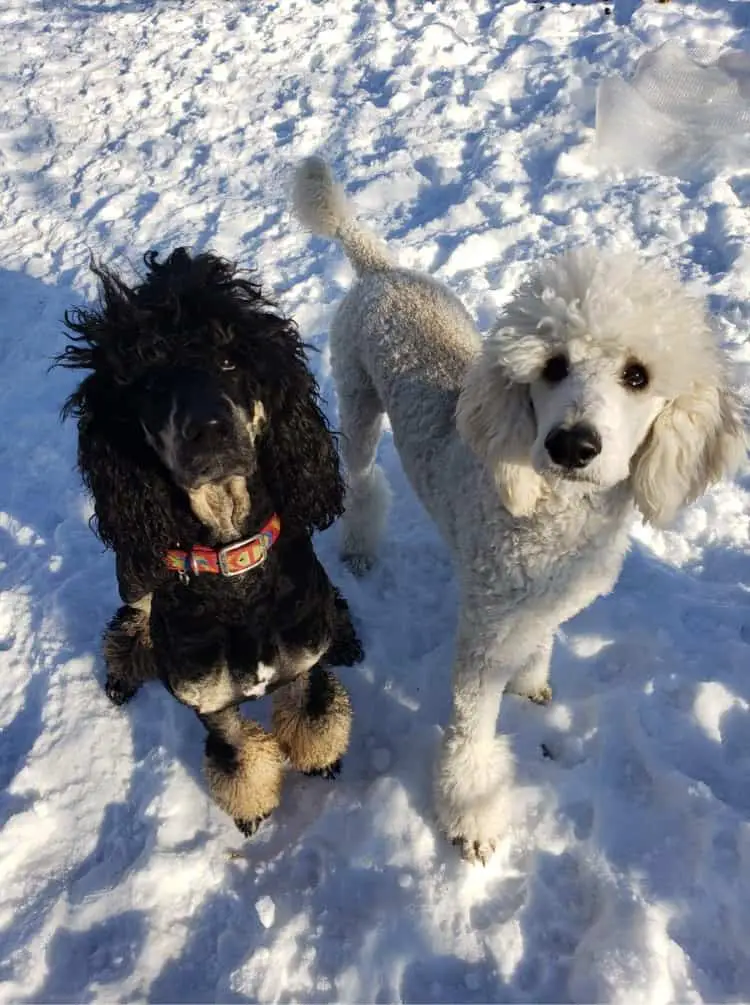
(191, 311)
(128, 653)
(198, 312)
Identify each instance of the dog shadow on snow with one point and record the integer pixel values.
(650, 771)
(56, 591)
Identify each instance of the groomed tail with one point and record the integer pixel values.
(323, 208)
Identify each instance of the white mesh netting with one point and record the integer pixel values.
(677, 116)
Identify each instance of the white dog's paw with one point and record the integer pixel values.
(358, 564)
(532, 681)
(475, 828)
(475, 851)
(542, 696)
(472, 788)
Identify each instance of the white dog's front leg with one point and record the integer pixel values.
(475, 769)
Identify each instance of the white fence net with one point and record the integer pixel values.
(677, 116)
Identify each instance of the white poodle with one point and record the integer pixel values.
(600, 389)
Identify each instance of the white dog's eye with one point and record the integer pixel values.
(635, 376)
(227, 365)
(556, 369)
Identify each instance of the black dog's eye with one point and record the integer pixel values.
(227, 365)
(556, 369)
(635, 376)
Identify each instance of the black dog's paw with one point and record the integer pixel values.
(249, 827)
(345, 649)
(345, 652)
(331, 771)
(118, 692)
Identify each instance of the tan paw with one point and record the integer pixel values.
(541, 697)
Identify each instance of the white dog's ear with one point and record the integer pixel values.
(495, 418)
(695, 441)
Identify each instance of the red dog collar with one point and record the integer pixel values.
(231, 560)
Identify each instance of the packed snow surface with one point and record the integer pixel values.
(465, 131)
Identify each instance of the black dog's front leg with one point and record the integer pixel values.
(312, 714)
(128, 652)
(312, 720)
(244, 768)
(314, 611)
(128, 645)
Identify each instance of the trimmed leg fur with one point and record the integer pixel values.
(475, 775)
(128, 653)
(367, 502)
(312, 722)
(244, 768)
(367, 492)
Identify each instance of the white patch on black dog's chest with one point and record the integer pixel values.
(221, 688)
(265, 674)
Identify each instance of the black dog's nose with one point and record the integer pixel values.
(575, 447)
(197, 430)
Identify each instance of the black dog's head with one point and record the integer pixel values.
(200, 422)
(194, 378)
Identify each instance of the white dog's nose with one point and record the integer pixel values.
(574, 447)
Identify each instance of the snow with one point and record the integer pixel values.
(266, 911)
(465, 129)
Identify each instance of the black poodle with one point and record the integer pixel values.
(210, 464)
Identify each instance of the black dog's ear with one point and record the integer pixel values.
(133, 499)
(297, 449)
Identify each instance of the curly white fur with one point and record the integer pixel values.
(533, 544)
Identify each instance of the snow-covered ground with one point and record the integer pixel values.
(464, 129)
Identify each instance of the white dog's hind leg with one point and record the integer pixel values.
(367, 493)
(475, 769)
(532, 681)
(367, 501)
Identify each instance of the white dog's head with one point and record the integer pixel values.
(602, 369)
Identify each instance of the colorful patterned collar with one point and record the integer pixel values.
(231, 560)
